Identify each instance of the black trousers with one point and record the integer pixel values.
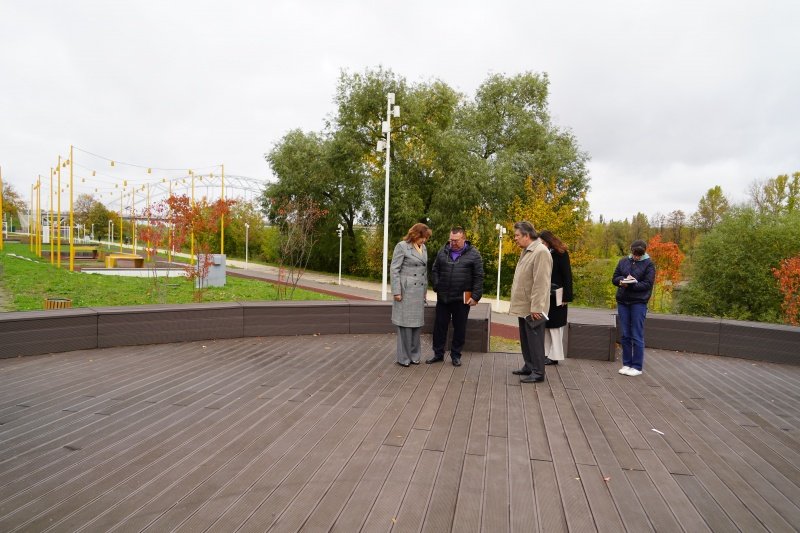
(445, 312)
(531, 339)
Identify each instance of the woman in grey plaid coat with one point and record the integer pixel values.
(409, 286)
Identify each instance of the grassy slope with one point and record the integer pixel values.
(28, 283)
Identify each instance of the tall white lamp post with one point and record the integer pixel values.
(339, 230)
(111, 233)
(246, 243)
(391, 110)
(502, 231)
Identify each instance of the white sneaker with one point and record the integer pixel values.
(634, 372)
(624, 370)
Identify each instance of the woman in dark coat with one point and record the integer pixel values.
(561, 278)
(409, 270)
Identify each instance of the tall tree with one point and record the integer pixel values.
(731, 276)
(12, 202)
(676, 221)
(776, 195)
(640, 227)
(710, 209)
(509, 128)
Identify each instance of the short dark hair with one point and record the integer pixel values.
(458, 229)
(526, 228)
(638, 247)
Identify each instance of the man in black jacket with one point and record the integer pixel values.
(457, 278)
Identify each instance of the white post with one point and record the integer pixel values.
(387, 129)
(246, 243)
(501, 229)
(340, 230)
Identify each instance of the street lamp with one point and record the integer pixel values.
(386, 127)
(502, 231)
(246, 243)
(92, 230)
(339, 231)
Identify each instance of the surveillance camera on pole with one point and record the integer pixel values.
(502, 231)
(386, 129)
(339, 232)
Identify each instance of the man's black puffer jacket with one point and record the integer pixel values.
(451, 278)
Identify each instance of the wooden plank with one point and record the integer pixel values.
(498, 414)
(651, 501)
(435, 398)
(722, 495)
(467, 515)
(479, 427)
(360, 502)
(576, 507)
(442, 504)
(496, 498)
(415, 504)
(675, 498)
(549, 504)
(538, 445)
(709, 510)
(522, 500)
(604, 511)
(384, 512)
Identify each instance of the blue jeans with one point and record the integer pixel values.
(631, 319)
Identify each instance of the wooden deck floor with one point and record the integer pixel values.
(326, 433)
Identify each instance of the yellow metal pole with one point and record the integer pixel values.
(71, 217)
(30, 222)
(58, 215)
(192, 236)
(222, 219)
(133, 217)
(1, 209)
(121, 228)
(50, 225)
(148, 222)
(39, 217)
(169, 229)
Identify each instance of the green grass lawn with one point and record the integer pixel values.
(26, 284)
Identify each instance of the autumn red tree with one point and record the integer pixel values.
(788, 276)
(177, 223)
(668, 259)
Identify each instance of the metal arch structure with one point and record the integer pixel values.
(209, 186)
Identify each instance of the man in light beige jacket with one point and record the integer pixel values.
(530, 299)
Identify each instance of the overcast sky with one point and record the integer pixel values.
(668, 98)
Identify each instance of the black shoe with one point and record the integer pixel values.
(414, 362)
(434, 360)
(402, 364)
(521, 372)
(456, 362)
(549, 361)
(532, 379)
